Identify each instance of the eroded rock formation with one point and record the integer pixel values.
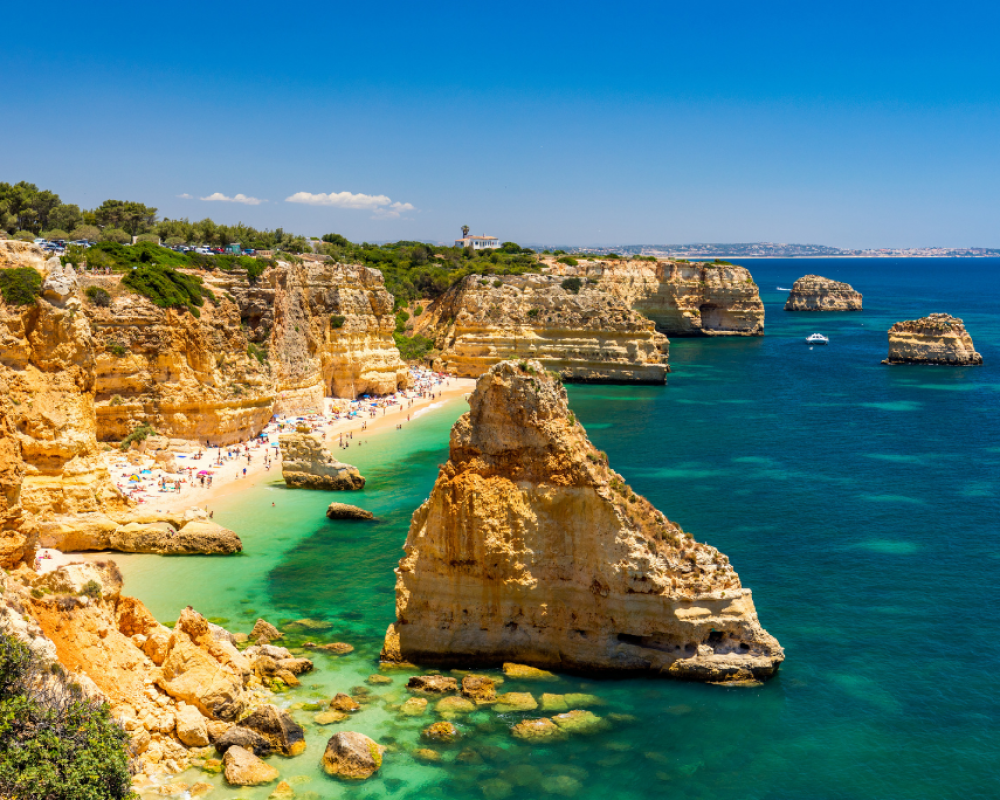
(307, 464)
(813, 293)
(935, 339)
(585, 336)
(51, 465)
(188, 377)
(327, 328)
(532, 548)
(683, 299)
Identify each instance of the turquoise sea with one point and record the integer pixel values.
(858, 501)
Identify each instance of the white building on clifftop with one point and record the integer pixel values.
(478, 242)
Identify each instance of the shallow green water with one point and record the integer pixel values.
(859, 502)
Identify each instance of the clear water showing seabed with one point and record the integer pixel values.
(858, 501)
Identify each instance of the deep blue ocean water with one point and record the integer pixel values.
(858, 501)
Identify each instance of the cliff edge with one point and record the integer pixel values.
(935, 339)
(532, 549)
(814, 293)
(575, 329)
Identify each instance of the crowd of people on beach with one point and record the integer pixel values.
(144, 483)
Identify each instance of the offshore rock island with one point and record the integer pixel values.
(937, 339)
(532, 549)
(813, 293)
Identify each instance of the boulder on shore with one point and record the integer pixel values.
(243, 768)
(276, 725)
(347, 511)
(937, 339)
(529, 529)
(306, 464)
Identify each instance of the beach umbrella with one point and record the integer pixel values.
(146, 472)
(204, 472)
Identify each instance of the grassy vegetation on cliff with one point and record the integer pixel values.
(20, 286)
(123, 258)
(54, 743)
(168, 288)
(415, 270)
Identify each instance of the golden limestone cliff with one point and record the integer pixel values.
(47, 369)
(813, 293)
(939, 339)
(18, 532)
(683, 299)
(532, 549)
(190, 378)
(581, 332)
(328, 332)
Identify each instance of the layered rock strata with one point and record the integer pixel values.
(939, 339)
(683, 299)
(303, 332)
(531, 548)
(328, 329)
(813, 293)
(190, 378)
(306, 464)
(586, 336)
(51, 462)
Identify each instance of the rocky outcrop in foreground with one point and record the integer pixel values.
(682, 298)
(582, 332)
(172, 690)
(935, 339)
(306, 464)
(139, 532)
(813, 293)
(532, 549)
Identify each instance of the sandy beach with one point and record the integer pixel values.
(229, 477)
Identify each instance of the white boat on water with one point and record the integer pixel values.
(817, 338)
(783, 289)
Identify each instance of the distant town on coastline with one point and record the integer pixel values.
(33, 214)
(772, 250)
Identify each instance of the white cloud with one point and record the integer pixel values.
(239, 198)
(393, 211)
(185, 196)
(383, 206)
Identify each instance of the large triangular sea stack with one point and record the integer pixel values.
(532, 549)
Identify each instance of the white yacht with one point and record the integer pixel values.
(817, 338)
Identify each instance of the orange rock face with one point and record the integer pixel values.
(531, 549)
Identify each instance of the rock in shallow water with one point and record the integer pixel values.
(347, 511)
(306, 464)
(243, 768)
(352, 756)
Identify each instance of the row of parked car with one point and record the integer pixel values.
(58, 247)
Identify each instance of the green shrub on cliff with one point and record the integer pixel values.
(572, 285)
(20, 286)
(168, 288)
(98, 296)
(413, 348)
(138, 435)
(54, 743)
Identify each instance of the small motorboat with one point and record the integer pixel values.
(817, 338)
(783, 289)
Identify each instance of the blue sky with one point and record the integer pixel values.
(852, 124)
